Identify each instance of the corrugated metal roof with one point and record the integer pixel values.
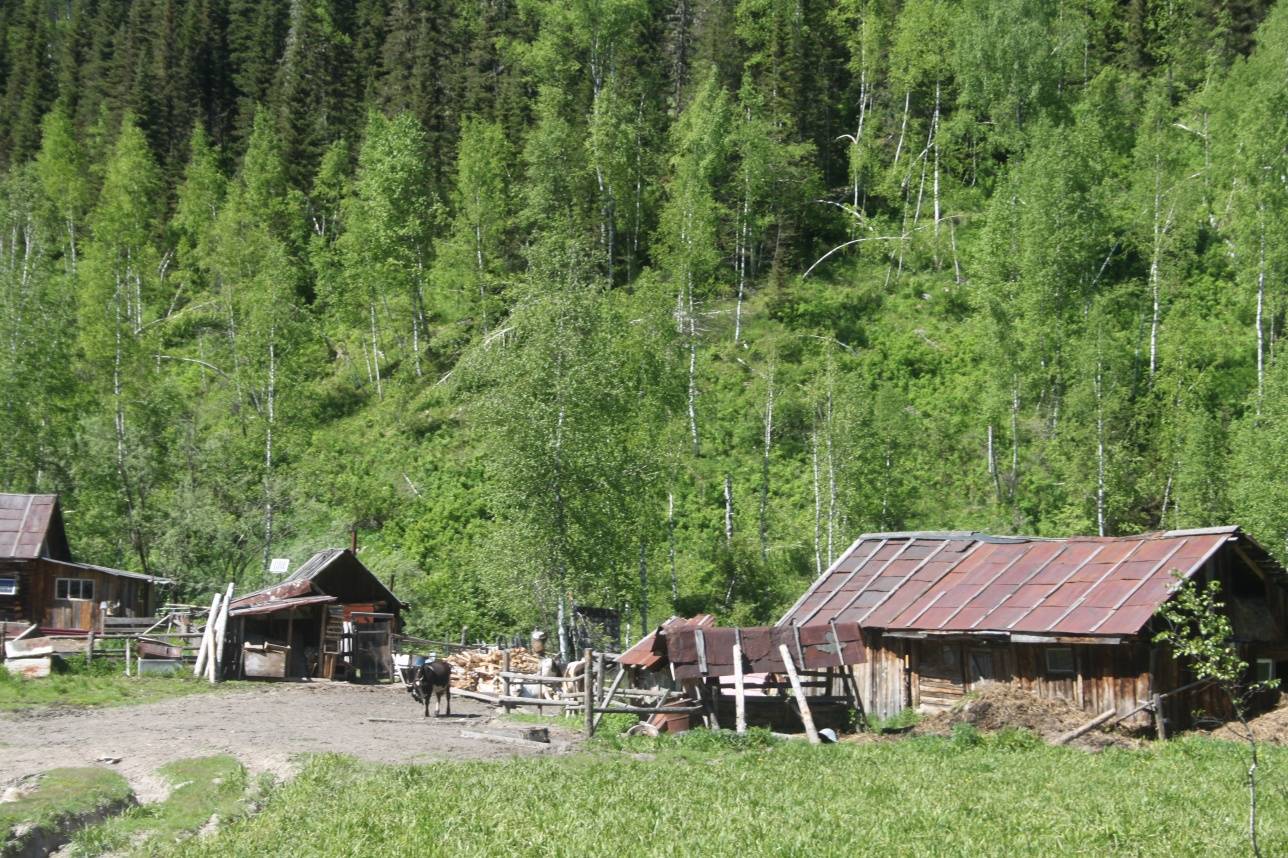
(24, 522)
(973, 583)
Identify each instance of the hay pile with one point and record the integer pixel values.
(476, 670)
(1270, 726)
(996, 706)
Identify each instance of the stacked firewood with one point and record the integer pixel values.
(476, 670)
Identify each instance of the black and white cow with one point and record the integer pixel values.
(432, 680)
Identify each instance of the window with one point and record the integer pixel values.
(8, 586)
(1059, 661)
(1265, 670)
(75, 589)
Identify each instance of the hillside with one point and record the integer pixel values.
(655, 306)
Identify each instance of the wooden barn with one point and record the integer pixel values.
(1073, 618)
(330, 619)
(41, 584)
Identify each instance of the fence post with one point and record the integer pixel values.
(505, 680)
(588, 698)
(740, 691)
(89, 647)
(128, 641)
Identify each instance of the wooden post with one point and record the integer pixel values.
(1160, 724)
(203, 651)
(222, 631)
(128, 641)
(587, 682)
(806, 717)
(505, 679)
(89, 647)
(740, 691)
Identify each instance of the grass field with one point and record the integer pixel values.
(64, 792)
(203, 787)
(99, 684)
(714, 795)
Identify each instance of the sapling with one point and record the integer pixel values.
(1199, 632)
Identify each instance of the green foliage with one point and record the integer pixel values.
(269, 271)
(202, 788)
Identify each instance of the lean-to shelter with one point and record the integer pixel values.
(1072, 618)
(332, 618)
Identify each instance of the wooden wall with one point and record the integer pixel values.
(39, 603)
(935, 674)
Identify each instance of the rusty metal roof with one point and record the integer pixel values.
(31, 526)
(275, 605)
(972, 583)
(304, 581)
(650, 652)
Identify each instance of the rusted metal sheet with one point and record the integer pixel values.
(650, 652)
(974, 584)
(696, 652)
(275, 605)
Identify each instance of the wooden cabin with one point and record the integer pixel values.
(41, 584)
(1065, 618)
(330, 619)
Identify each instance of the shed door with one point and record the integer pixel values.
(979, 666)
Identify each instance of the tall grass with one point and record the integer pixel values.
(966, 796)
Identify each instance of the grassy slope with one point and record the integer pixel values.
(62, 792)
(202, 787)
(1001, 796)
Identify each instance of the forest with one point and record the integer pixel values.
(654, 305)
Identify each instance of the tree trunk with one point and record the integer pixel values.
(268, 447)
(764, 468)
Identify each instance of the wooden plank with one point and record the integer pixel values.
(807, 717)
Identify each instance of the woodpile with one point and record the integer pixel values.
(476, 670)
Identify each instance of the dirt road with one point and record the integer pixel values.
(267, 728)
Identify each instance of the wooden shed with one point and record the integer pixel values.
(1070, 618)
(330, 619)
(41, 584)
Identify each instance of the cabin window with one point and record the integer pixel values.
(8, 586)
(1265, 670)
(1059, 661)
(74, 589)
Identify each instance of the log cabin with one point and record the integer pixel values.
(41, 584)
(1069, 618)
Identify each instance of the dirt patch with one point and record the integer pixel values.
(997, 706)
(1270, 726)
(267, 729)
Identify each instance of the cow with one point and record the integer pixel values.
(432, 680)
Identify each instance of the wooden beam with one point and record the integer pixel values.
(1085, 728)
(806, 717)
